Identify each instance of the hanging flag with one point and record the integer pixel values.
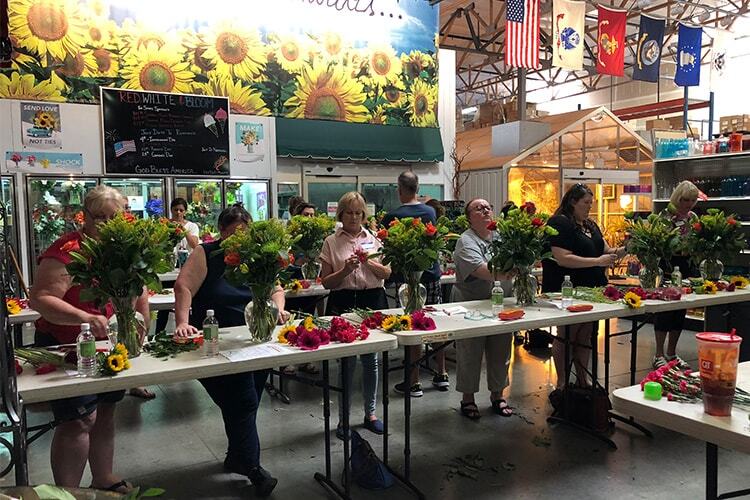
(648, 50)
(610, 58)
(719, 58)
(568, 24)
(522, 33)
(688, 72)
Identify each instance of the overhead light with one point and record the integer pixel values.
(705, 15)
(469, 110)
(597, 117)
(726, 21)
(678, 9)
(625, 201)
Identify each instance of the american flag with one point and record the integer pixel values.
(123, 147)
(522, 33)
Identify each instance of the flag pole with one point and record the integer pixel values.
(685, 110)
(521, 94)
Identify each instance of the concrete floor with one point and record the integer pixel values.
(177, 442)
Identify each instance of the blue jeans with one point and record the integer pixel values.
(238, 396)
(369, 383)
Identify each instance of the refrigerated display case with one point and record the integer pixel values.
(204, 201)
(252, 194)
(285, 191)
(145, 196)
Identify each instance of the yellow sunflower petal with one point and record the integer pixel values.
(422, 105)
(161, 70)
(47, 27)
(243, 100)
(26, 87)
(235, 52)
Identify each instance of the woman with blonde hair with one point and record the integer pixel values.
(355, 281)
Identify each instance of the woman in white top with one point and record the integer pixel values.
(178, 207)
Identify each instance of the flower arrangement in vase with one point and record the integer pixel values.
(651, 240)
(714, 237)
(257, 257)
(308, 234)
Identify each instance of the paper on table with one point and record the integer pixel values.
(253, 352)
(451, 311)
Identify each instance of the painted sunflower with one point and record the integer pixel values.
(195, 47)
(421, 104)
(414, 63)
(405, 322)
(330, 47)
(26, 87)
(116, 363)
(324, 92)
(243, 100)
(383, 64)
(394, 94)
(149, 68)
(235, 52)
(53, 27)
(101, 33)
(378, 116)
(82, 63)
(137, 36)
(289, 53)
(390, 323)
(632, 300)
(107, 63)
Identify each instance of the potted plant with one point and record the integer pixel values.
(308, 234)
(651, 240)
(714, 237)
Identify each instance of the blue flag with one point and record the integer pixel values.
(648, 50)
(688, 72)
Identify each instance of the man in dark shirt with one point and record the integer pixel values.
(408, 185)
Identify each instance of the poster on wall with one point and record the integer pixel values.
(39, 162)
(41, 127)
(154, 133)
(249, 142)
(366, 61)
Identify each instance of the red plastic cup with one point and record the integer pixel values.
(718, 354)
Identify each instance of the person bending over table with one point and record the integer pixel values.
(670, 323)
(201, 284)
(579, 251)
(355, 284)
(474, 281)
(86, 426)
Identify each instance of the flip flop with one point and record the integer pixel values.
(141, 392)
(116, 487)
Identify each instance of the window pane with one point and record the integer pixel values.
(383, 196)
(320, 193)
(252, 194)
(204, 202)
(430, 191)
(285, 192)
(145, 196)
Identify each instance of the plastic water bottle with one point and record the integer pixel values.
(567, 292)
(210, 334)
(497, 298)
(676, 277)
(86, 350)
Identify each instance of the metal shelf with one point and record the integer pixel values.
(717, 198)
(702, 157)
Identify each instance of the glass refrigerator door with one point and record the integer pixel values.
(8, 226)
(145, 196)
(54, 205)
(204, 201)
(252, 194)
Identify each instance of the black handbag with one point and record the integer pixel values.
(368, 471)
(585, 406)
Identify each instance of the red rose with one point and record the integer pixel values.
(529, 207)
(731, 221)
(429, 229)
(697, 226)
(45, 368)
(71, 246)
(19, 368)
(537, 222)
(291, 259)
(382, 234)
(198, 341)
(492, 225)
(415, 222)
(232, 259)
(128, 217)
(393, 223)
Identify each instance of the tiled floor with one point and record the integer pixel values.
(177, 442)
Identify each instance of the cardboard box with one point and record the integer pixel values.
(734, 123)
(658, 125)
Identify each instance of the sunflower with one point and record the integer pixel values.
(710, 287)
(295, 286)
(282, 338)
(137, 36)
(235, 52)
(82, 63)
(632, 300)
(107, 63)
(414, 63)
(390, 323)
(405, 322)
(126, 364)
(53, 27)
(101, 33)
(162, 70)
(13, 306)
(739, 282)
(44, 119)
(355, 63)
(26, 87)
(309, 323)
(115, 362)
(330, 47)
(324, 92)
(378, 116)
(289, 53)
(384, 66)
(195, 47)
(395, 94)
(19, 59)
(121, 349)
(421, 103)
(243, 100)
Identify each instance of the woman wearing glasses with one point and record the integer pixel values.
(86, 429)
(579, 251)
(355, 281)
(474, 282)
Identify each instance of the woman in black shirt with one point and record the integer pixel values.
(579, 251)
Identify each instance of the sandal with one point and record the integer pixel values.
(141, 392)
(470, 410)
(289, 370)
(117, 487)
(500, 406)
(309, 368)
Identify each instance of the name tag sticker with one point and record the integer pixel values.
(368, 246)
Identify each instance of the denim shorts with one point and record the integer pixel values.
(65, 410)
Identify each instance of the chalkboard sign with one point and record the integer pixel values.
(154, 133)
(453, 208)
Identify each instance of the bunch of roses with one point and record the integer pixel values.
(678, 385)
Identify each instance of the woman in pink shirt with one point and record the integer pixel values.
(355, 281)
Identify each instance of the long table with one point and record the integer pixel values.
(147, 370)
(690, 419)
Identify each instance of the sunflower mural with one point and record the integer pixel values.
(64, 50)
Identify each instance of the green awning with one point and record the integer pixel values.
(323, 139)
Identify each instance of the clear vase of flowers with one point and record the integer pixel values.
(652, 240)
(308, 235)
(412, 295)
(713, 238)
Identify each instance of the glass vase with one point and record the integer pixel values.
(311, 269)
(261, 316)
(412, 295)
(524, 287)
(127, 327)
(711, 269)
(650, 277)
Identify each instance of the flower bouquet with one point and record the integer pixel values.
(410, 247)
(313, 332)
(257, 257)
(418, 320)
(520, 242)
(113, 362)
(652, 241)
(129, 254)
(308, 234)
(712, 237)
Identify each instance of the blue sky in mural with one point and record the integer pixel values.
(419, 32)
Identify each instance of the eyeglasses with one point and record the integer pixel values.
(483, 208)
(354, 213)
(99, 218)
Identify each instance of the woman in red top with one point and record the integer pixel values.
(85, 430)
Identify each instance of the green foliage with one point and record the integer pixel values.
(128, 255)
(410, 246)
(455, 226)
(652, 239)
(521, 240)
(308, 233)
(714, 236)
